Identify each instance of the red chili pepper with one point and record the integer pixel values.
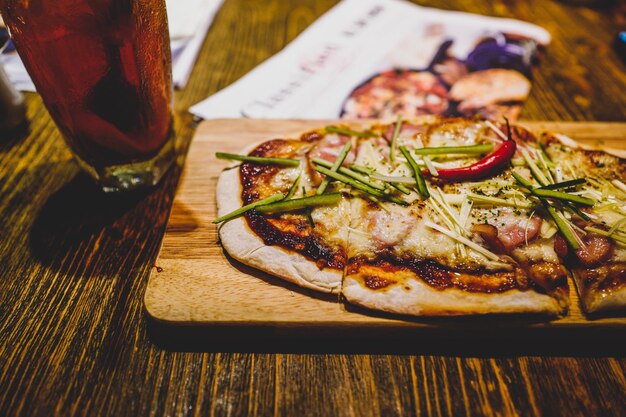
(486, 167)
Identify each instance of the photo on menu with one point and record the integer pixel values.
(490, 80)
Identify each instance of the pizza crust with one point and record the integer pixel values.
(595, 302)
(245, 246)
(420, 299)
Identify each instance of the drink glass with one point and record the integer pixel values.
(103, 70)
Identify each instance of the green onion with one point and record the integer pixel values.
(288, 162)
(349, 132)
(310, 217)
(522, 180)
(335, 167)
(362, 170)
(557, 195)
(248, 207)
(348, 172)
(616, 227)
(301, 203)
(544, 153)
(601, 232)
(394, 138)
(417, 172)
(498, 201)
(534, 169)
(564, 184)
(455, 150)
(561, 223)
(544, 192)
(572, 208)
(359, 186)
(294, 187)
(308, 211)
(564, 228)
(401, 188)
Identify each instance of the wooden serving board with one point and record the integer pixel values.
(194, 282)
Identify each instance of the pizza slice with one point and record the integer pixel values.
(461, 250)
(304, 242)
(596, 252)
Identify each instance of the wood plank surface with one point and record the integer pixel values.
(194, 282)
(74, 265)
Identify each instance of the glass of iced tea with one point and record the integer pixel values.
(103, 69)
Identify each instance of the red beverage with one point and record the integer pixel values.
(103, 69)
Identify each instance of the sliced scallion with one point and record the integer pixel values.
(361, 169)
(534, 169)
(356, 184)
(401, 188)
(340, 158)
(565, 229)
(288, 162)
(269, 200)
(394, 138)
(498, 201)
(564, 184)
(294, 187)
(350, 173)
(455, 236)
(601, 232)
(301, 203)
(456, 150)
(557, 195)
(422, 189)
(349, 132)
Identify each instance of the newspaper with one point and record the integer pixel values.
(189, 21)
(379, 58)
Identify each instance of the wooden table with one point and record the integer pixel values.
(74, 265)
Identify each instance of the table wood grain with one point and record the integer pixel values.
(74, 263)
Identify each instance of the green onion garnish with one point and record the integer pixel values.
(401, 188)
(562, 224)
(573, 209)
(601, 232)
(534, 169)
(498, 201)
(350, 173)
(335, 167)
(248, 207)
(564, 228)
(564, 184)
(394, 138)
(544, 192)
(300, 203)
(522, 180)
(362, 169)
(544, 153)
(359, 186)
(294, 187)
(349, 132)
(557, 195)
(422, 189)
(455, 150)
(310, 217)
(288, 162)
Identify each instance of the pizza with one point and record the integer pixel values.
(432, 216)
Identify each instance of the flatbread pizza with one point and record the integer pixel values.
(432, 216)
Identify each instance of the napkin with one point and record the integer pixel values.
(189, 21)
(380, 58)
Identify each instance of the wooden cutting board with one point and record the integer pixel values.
(195, 283)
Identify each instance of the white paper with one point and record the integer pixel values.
(189, 21)
(315, 74)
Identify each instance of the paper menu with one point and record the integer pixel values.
(368, 58)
